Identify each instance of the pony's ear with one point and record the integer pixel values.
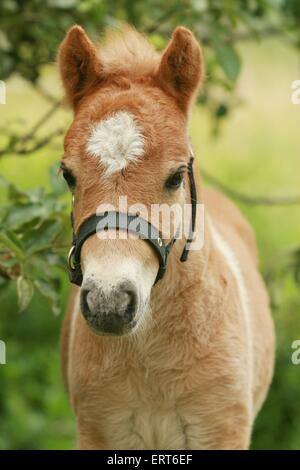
(181, 68)
(79, 66)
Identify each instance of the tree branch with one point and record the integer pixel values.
(250, 200)
(23, 150)
(41, 122)
(44, 93)
(17, 145)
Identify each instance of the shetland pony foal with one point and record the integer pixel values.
(190, 366)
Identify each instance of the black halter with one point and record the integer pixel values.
(134, 224)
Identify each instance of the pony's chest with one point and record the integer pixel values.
(140, 404)
(147, 414)
(147, 428)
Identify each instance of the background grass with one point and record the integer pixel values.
(256, 153)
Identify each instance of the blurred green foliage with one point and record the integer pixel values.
(34, 229)
(31, 237)
(31, 30)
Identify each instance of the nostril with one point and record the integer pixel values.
(84, 302)
(128, 303)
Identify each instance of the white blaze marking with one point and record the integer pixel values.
(116, 141)
(72, 326)
(225, 249)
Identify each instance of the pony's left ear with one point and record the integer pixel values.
(181, 68)
(79, 64)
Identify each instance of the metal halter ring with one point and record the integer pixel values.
(70, 256)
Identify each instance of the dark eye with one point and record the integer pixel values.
(68, 176)
(174, 181)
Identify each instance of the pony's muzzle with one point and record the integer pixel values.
(109, 311)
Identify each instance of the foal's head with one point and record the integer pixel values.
(128, 138)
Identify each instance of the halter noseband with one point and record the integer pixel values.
(134, 224)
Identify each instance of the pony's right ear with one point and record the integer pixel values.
(80, 68)
(181, 69)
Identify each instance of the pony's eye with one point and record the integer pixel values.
(68, 176)
(174, 181)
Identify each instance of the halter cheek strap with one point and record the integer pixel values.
(193, 193)
(133, 224)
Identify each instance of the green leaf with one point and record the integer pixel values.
(21, 214)
(16, 195)
(54, 259)
(221, 111)
(64, 4)
(227, 58)
(35, 195)
(49, 290)
(25, 291)
(12, 243)
(44, 237)
(39, 264)
(7, 262)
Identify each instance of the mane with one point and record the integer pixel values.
(127, 52)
